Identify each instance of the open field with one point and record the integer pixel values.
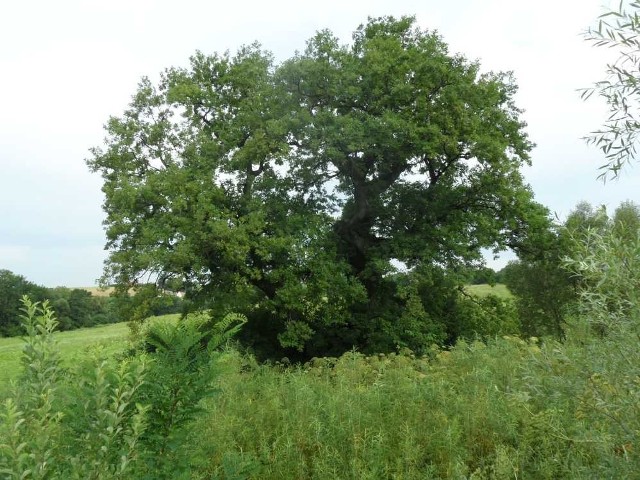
(103, 292)
(72, 343)
(498, 289)
(98, 291)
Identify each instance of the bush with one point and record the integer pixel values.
(180, 376)
(507, 408)
(107, 418)
(83, 425)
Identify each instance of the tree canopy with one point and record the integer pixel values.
(327, 197)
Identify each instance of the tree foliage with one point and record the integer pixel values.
(618, 29)
(292, 192)
(12, 288)
(77, 307)
(546, 290)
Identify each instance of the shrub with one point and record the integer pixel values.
(107, 418)
(179, 377)
(49, 433)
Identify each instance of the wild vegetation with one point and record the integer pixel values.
(333, 208)
(505, 408)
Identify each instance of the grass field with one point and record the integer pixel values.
(71, 344)
(499, 290)
(98, 291)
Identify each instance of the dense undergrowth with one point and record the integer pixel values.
(506, 408)
(182, 404)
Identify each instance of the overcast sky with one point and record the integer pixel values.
(66, 65)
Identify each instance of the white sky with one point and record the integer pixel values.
(66, 65)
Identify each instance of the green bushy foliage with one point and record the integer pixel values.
(12, 288)
(382, 416)
(504, 409)
(107, 418)
(483, 275)
(546, 290)
(105, 422)
(135, 305)
(501, 408)
(486, 317)
(62, 425)
(73, 307)
(179, 377)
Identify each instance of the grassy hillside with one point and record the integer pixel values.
(98, 291)
(72, 343)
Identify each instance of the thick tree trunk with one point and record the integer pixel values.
(355, 231)
(355, 228)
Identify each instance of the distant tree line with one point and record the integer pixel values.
(74, 307)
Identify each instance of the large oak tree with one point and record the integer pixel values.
(327, 197)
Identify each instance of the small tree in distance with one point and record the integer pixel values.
(546, 290)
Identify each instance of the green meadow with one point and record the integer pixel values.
(71, 345)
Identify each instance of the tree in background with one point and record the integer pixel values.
(291, 193)
(618, 29)
(12, 288)
(626, 221)
(75, 308)
(607, 260)
(546, 290)
(483, 275)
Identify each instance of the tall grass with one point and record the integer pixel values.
(503, 410)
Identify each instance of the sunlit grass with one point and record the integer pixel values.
(99, 291)
(483, 290)
(71, 344)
